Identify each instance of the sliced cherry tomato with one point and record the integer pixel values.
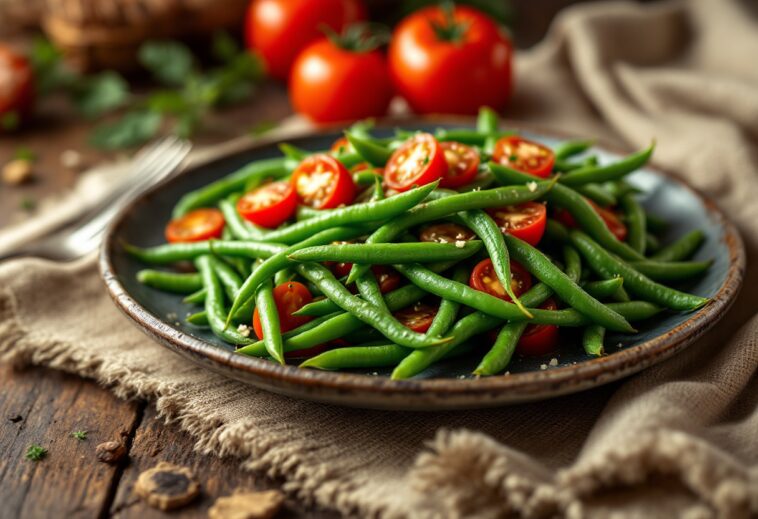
(524, 155)
(446, 233)
(270, 205)
(483, 278)
(420, 160)
(614, 224)
(197, 225)
(289, 298)
(339, 269)
(417, 317)
(342, 145)
(539, 339)
(321, 181)
(315, 350)
(462, 164)
(387, 277)
(16, 88)
(524, 221)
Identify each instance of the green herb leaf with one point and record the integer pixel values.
(36, 452)
(100, 94)
(79, 435)
(224, 47)
(169, 61)
(9, 121)
(171, 102)
(49, 71)
(24, 153)
(28, 204)
(133, 129)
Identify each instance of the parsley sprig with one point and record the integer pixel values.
(36, 452)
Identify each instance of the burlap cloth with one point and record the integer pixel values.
(680, 439)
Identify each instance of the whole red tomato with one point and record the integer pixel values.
(279, 29)
(451, 61)
(331, 82)
(16, 87)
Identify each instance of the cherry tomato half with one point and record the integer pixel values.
(451, 62)
(483, 278)
(420, 160)
(446, 233)
(269, 205)
(321, 181)
(197, 225)
(16, 88)
(289, 298)
(387, 277)
(462, 164)
(524, 155)
(613, 222)
(330, 83)
(539, 339)
(279, 29)
(524, 221)
(417, 317)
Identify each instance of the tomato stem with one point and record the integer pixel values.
(449, 30)
(358, 37)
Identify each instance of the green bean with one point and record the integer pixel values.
(240, 228)
(652, 244)
(656, 224)
(608, 265)
(212, 193)
(304, 212)
(388, 253)
(283, 276)
(369, 289)
(564, 286)
(564, 166)
(465, 135)
(259, 348)
(378, 193)
(293, 152)
(281, 260)
(671, 270)
(196, 297)
(469, 326)
(681, 249)
(604, 288)
(358, 357)
(598, 194)
(228, 277)
(482, 181)
(366, 176)
(592, 340)
(573, 268)
(170, 281)
(578, 206)
(447, 310)
(198, 319)
(351, 215)
(447, 205)
(613, 171)
(496, 307)
(214, 302)
(487, 122)
(339, 325)
(175, 252)
(568, 149)
(269, 318)
(489, 232)
(373, 153)
(366, 312)
(635, 222)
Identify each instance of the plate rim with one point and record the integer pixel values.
(504, 389)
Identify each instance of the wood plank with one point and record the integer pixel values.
(43, 406)
(157, 441)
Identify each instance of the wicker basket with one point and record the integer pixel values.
(95, 34)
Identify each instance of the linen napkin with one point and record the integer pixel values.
(679, 439)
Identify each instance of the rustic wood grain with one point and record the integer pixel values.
(42, 406)
(156, 441)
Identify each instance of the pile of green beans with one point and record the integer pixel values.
(603, 285)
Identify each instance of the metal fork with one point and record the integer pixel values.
(151, 165)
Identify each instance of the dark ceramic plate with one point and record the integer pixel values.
(448, 385)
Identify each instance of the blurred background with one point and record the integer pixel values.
(82, 81)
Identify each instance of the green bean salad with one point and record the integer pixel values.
(395, 252)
